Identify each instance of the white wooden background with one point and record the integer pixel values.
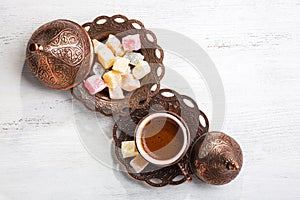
(255, 47)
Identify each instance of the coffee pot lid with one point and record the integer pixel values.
(60, 54)
(216, 158)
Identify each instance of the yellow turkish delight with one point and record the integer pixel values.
(121, 65)
(128, 149)
(112, 79)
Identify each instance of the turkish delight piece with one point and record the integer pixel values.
(128, 149)
(113, 43)
(138, 163)
(131, 42)
(98, 69)
(97, 44)
(94, 84)
(116, 93)
(129, 83)
(141, 70)
(134, 57)
(112, 79)
(105, 56)
(120, 52)
(121, 65)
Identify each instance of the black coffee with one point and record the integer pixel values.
(162, 138)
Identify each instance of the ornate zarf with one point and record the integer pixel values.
(60, 54)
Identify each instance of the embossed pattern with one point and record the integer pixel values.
(67, 47)
(216, 158)
(60, 54)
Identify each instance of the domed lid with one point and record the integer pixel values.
(60, 54)
(216, 158)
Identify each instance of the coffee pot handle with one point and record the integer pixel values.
(185, 172)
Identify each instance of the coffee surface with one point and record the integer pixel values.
(162, 138)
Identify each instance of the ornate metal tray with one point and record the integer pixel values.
(164, 100)
(121, 26)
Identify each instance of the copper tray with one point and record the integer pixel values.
(121, 26)
(164, 100)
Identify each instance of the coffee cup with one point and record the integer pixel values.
(162, 138)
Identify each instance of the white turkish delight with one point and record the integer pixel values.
(129, 83)
(116, 93)
(98, 69)
(105, 56)
(113, 43)
(128, 149)
(120, 51)
(97, 44)
(134, 57)
(141, 70)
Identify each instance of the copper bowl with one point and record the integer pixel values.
(121, 26)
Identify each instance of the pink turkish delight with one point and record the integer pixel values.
(131, 42)
(94, 84)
